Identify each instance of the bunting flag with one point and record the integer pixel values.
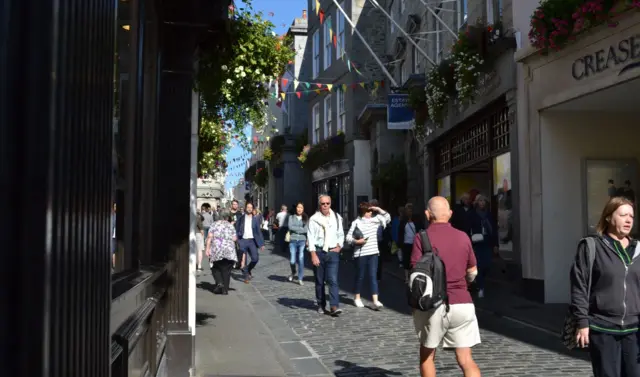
(307, 85)
(283, 95)
(284, 83)
(317, 91)
(362, 84)
(344, 87)
(299, 94)
(295, 84)
(329, 86)
(317, 6)
(279, 104)
(335, 41)
(321, 16)
(319, 85)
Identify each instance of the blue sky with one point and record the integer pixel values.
(284, 11)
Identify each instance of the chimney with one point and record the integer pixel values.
(304, 14)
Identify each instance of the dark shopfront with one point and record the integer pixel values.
(65, 312)
(335, 182)
(476, 156)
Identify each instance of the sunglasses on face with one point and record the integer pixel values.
(325, 204)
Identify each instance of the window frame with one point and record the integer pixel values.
(341, 31)
(328, 46)
(341, 110)
(392, 14)
(463, 13)
(315, 132)
(315, 45)
(494, 16)
(328, 109)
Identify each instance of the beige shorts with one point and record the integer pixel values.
(456, 329)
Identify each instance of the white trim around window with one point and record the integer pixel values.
(340, 30)
(316, 53)
(462, 13)
(328, 47)
(327, 116)
(315, 119)
(342, 113)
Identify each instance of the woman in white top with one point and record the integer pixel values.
(366, 251)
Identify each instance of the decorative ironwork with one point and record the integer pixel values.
(501, 126)
(490, 136)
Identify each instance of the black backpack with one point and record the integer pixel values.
(428, 279)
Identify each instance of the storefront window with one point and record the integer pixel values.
(606, 179)
(503, 199)
(444, 187)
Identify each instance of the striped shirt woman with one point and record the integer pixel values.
(366, 248)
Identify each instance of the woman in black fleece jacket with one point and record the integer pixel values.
(605, 294)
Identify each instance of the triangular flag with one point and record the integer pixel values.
(321, 16)
(299, 94)
(349, 64)
(317, 6)
(375, 84)
(295, 84)
(329, 86)
(335, 41)
(319, 85)
(268, 137)
(382, 83)
(283, 95)
(354, 85)
(344, 87)
(330, 31)
(307, 85)
(362, 84)
(284, 83)
(317, 91)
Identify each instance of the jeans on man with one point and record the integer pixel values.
(367, 265)
(296, 251)
(249, 247)
(327, 274)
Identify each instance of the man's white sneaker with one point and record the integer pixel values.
(480, 293)
(358, 303)
(300, 282)
(290, 278)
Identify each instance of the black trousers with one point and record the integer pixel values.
(221, 271)
(614, 355)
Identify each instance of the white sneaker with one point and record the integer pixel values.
(300, 282)
(378, 305)
(290, 278)
(358, 303)
(480, 293)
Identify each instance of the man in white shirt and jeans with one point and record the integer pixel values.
(326, 238)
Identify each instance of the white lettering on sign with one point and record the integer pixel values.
(400, 101)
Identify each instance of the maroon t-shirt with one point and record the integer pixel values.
(454, 248)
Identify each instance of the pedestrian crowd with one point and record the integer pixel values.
(446, 255)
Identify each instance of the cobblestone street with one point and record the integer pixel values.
(363, 342)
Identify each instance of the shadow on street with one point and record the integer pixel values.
(392, 292)
(351, 369)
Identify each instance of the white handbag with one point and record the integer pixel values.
(478, 237)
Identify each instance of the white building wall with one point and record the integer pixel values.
(567, 139)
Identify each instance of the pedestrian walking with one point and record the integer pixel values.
(454, 323)
(207, 221)
(249, 239)
(280, 225)
(221, 251)
(297, 239)
(409, 226)
(605, 293)
(484, 238)
(363, 233)
(326, 238)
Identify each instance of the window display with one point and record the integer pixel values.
(444, 187)
(503, 198)
(606, 179)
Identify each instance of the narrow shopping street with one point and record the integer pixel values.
(361, 342)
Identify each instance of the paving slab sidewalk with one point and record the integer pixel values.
(241, 334)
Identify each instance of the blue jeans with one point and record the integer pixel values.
(367, 265)
(296, 251)
(327, 273)
(249, 247)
